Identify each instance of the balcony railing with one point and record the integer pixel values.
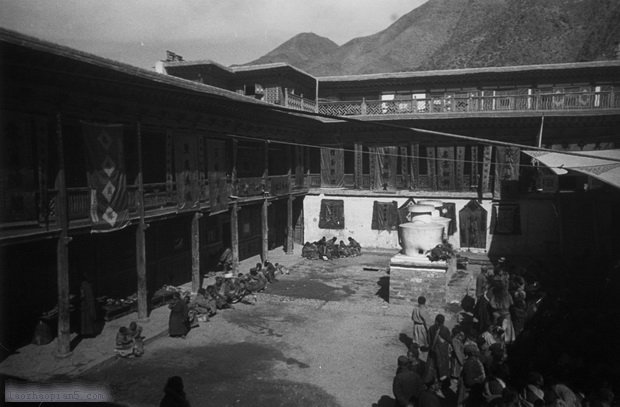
(300, 103)
(564, 101)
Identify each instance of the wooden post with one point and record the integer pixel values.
(196, 252)
(234, 236)
(289, 225)
(63, 345)
(265, 231)
(143, 311)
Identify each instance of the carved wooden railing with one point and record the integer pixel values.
(300, 103)
(562, 101)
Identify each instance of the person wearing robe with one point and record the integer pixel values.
(135, 331)
(482, 282)
(473, 376)
(417, 364)
(204, 306)
(269, 270)
(428, 397)
(356, 248)
(421, 321)
(88, 313)
(256, 281)
(310, 251)
(124, 343)
(174, 393)
(458, 354)
(178, 323)
(225, 261)
(440, 338)
(483, 313)
(407, 384)
(533, 392)
(220, 301)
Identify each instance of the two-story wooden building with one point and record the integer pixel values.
(134, 179)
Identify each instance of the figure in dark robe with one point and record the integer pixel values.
(356, 248)
(174, 393)
(407, 384)
(88, 313)
(178, 323)
(483, 313)
(439, 337)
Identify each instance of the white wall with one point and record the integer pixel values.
(539, 224)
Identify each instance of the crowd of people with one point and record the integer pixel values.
(467, 365)
(186, 312)
(325, 249)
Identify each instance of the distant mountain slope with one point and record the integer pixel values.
(444, 34)
(300, 51)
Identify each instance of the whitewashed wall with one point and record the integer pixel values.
(539, 224)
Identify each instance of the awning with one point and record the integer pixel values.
(600, 164)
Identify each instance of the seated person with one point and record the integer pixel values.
(225, 261)
(124, 343)
(269, 271)
(220, 301)
(203, 305)
(356, 248)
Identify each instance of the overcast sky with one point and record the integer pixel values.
(139, 32)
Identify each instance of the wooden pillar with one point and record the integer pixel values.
(63, 345)
(196, 252)
(143, 311)
(266, 166)
(265, 231)
(234, 236)
(289, 225)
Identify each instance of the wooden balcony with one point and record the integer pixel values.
(542, 102)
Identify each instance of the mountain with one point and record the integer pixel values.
(446, 34)
(299, 51)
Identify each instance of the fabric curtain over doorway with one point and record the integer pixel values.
(332, 167)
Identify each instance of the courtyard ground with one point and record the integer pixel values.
(323, 335)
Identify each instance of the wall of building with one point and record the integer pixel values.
(538, 224)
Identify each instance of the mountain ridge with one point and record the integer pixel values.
(452, 34)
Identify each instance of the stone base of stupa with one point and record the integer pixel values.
(413, 276)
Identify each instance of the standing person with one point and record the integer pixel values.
(407, 385)
(178, 323)
(471, 384)
(439, 355)
(174, 393)
(482, 282)
(421, 321)
(483, 313)
(429, 398)
(88, 313)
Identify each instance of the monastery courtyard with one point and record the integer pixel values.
(323, 335)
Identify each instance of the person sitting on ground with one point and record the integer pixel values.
(332, 248)
(220, 301)
(135, 331)
(178, 323)
(355, 247)
(281, 268)
(124, 343)
(174, 393)
(256, 281)
(310, 251)
(343, 250)
(407, 384)
(225, 261)
(202, 305)
(269, 270)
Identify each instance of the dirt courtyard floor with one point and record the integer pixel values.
(324, 335)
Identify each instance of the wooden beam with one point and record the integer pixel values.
(196, 251)
(141, 237)
(265, 230)
(234, 236)
(289, 225)
(63, 344)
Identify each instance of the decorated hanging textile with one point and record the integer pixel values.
(403, 210)
(506, 219)
(460, 169)
(445, 168)
(473, 225)
(218, 187)
(359, 165)
(332, 167)
(332, 214)
(431, 167)
(186, 171)
(448, 210)
(486, 169)
(385, 216)
(507, 160)
(383, 168)
(106, 175)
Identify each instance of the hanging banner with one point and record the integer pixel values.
(445, 168)
(414, 166)
(187, 176)
(358, 166)
(332, 167)
(218, 186)
(461, 185)
(475, 173)
(106, 175)
(486, 168)
(383, 176)
(431, 167)
(507, 160)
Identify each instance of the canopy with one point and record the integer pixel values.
(600, 164)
